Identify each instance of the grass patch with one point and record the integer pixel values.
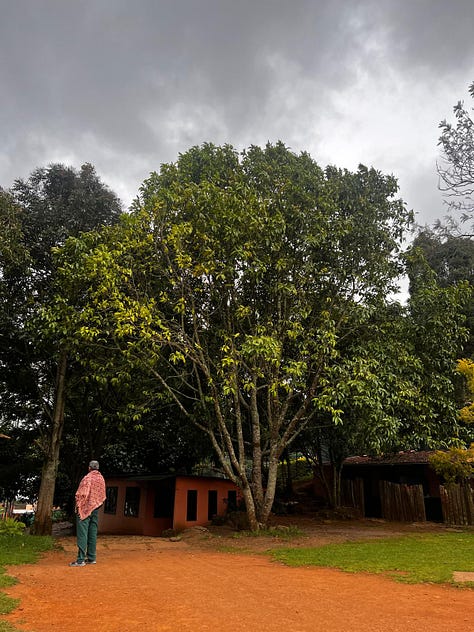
(17, 549)
(411, 559)
(282, 533)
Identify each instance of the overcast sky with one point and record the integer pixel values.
(129, 85)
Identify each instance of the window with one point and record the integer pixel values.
(132, 502)
(211, 504)
(110, 505)
(164, 500)
(191, 507)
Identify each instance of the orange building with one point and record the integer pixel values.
(149, 505)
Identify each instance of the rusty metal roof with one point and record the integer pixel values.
(413, 457)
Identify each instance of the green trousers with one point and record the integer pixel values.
(87, 537)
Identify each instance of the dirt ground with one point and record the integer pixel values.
(210, 580)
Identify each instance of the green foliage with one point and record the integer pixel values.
(39, 213)
(410, 559)
(395, 382)
(439, 337)
(58, 515)
(451, 258)
(465, 367)
(10, 526)
(234, 283)
(12, 250)
(454, 465)
(27, 518)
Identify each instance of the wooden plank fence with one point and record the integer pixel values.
(457, 504)
(352, 494)
(402, 502)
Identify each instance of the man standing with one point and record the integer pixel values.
(89, 497)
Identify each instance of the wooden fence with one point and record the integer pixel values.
(352, 494)
(457, 504)
(406, 503)
(402, 502)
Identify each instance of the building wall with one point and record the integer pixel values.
(201, 486)
(119, 523)
(181, 515)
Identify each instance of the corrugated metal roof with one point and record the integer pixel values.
(400, 458)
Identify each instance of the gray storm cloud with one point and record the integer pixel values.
(127, 86)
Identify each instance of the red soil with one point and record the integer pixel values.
(189, 586)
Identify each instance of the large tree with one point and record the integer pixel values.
(40, 213)
(234, 282)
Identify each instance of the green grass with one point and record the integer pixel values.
(17, 549)
(411, 559)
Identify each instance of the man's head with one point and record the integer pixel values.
(94, 465)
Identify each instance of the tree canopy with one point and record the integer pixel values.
(242, 305)
(235, 282)
(38, 214)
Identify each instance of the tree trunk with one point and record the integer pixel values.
(269, 491)
(43, 516)
(254, 524)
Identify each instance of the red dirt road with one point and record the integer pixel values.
(158, 586)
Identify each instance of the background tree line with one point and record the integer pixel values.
(242, 307)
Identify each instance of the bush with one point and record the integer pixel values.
(27, 518)
(218, 521)
(59, 515)
(455, 465)
(11, 527)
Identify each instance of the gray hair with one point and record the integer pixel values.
(94, 465)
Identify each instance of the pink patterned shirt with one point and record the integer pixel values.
(90, 494)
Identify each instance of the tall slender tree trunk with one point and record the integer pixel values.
(43, 518)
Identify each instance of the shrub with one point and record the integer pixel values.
(27, 518)
(59, 515)
(455, 465)
(9, 526)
